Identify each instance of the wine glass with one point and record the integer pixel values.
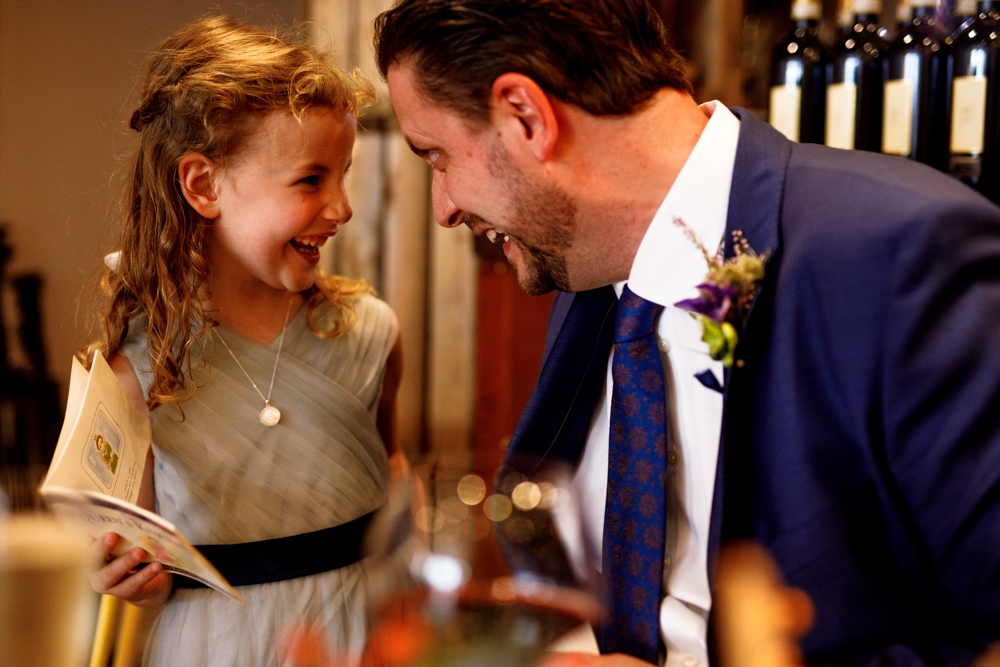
(469, 605)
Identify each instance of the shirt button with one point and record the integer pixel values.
(672, 457)
(664, 345)
(689, 661)
(667, 561)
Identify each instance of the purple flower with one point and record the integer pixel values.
(714, 302)
(725, 297)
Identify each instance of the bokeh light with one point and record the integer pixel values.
(497, 507)
(443, 573)
(548, 498)
(429, 520)
(519, 530)
(471, 489)
(526, 496)
(503, 589)
(453, 510)
(510, 481)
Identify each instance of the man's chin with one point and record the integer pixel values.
(537, 273)
(534, 287)
(535, 282)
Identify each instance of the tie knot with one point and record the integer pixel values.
(636, 317)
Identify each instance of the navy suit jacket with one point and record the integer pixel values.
(861, 428)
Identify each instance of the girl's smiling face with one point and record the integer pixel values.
(279, 200)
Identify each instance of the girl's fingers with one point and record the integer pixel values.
(106, 578)
(133, 585)
(101, 548)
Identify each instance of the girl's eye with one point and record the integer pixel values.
(310, 180)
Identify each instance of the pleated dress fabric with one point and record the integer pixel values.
(222, 477)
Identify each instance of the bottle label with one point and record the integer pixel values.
(965, 7)
(968, 116)
(867, 6)
(805, 10)
(897, 117)
(841, 104)
(786, 103)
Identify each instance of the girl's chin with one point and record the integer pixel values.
(302, 286)
(299, 281)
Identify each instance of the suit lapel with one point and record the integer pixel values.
(754, 208)
(555, 422)
(758, 182)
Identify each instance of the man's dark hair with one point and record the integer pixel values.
(607, 57)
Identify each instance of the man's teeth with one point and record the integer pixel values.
(493, 234)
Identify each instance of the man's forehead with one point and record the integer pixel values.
(403, 73)
(404, 93)
(419, 115)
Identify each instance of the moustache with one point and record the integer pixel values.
(472, 221)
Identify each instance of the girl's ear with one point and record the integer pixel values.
(196, 174)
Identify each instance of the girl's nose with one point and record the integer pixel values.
(338, 210)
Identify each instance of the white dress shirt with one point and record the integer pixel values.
(666, 270)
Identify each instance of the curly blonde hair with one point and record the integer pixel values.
(203, 90)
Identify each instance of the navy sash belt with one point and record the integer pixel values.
(284, 558)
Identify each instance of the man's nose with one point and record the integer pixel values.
(445, 212)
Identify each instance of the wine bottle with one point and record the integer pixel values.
(965, 11)
(845, 18)
(856, 76)
(798, 77)
(916, 94)
(975, 124)
(904, 14)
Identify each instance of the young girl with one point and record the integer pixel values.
(267, 385)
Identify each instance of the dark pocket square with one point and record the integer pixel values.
(707, 378)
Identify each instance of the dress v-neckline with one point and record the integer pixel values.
(232, 334)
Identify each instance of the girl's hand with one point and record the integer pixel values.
(123, 577)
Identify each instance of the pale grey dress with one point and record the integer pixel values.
(222, 477)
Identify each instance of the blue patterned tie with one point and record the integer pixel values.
(635, 518)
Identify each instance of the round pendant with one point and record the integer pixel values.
(270, 415)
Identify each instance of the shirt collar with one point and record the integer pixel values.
(668, 265)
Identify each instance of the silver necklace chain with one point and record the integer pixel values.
(270, 415)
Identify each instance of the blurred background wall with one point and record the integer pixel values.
(67, 86)
(68, 75)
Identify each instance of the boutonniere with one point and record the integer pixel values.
(725, 295)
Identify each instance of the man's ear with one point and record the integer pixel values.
(196, 174)
(517, 98)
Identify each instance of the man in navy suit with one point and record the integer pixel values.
(856, 432)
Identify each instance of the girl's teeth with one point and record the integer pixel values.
(307, 246)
